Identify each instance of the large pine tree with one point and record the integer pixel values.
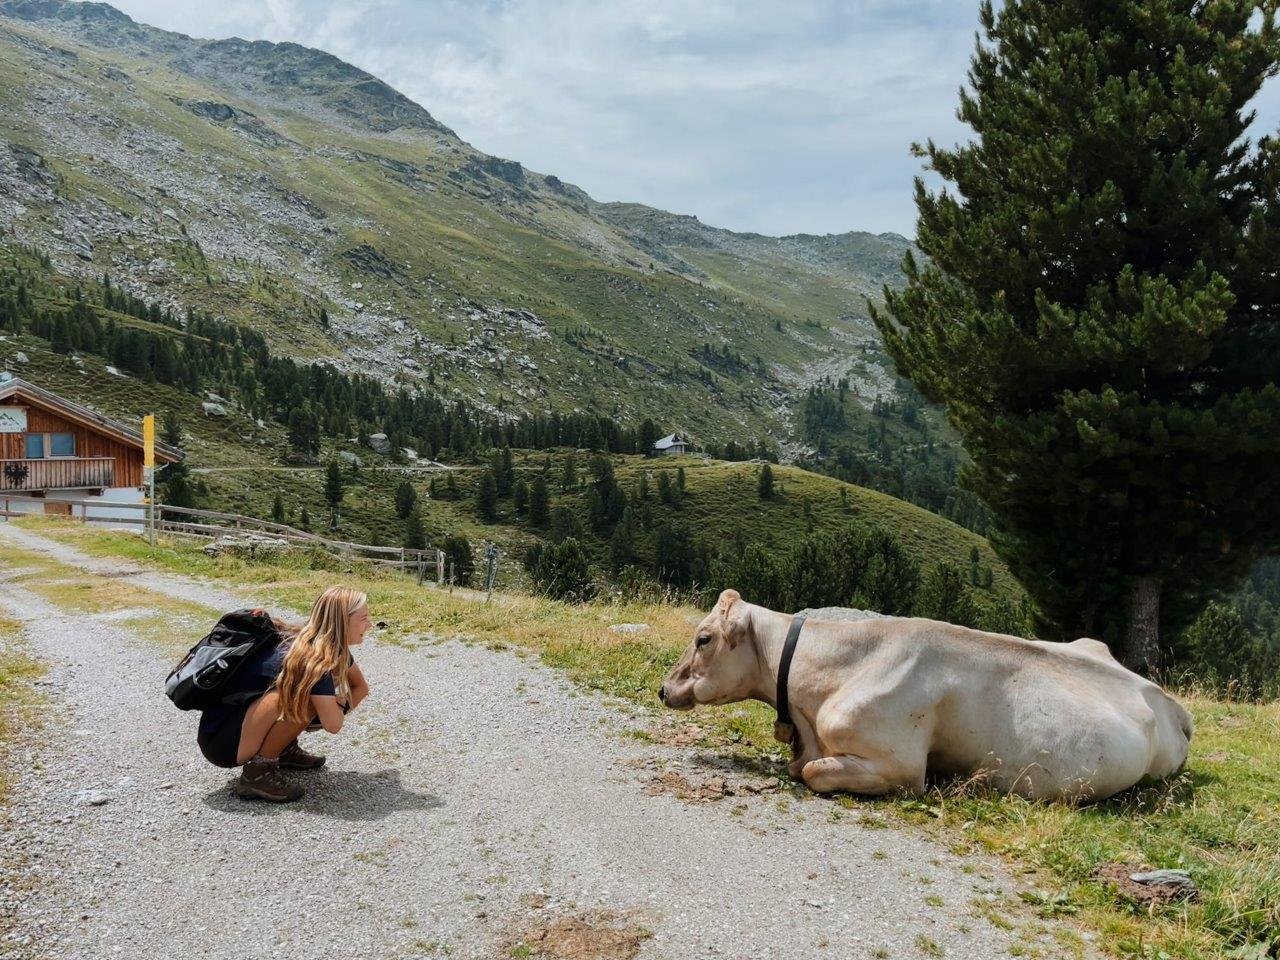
(1099, 305)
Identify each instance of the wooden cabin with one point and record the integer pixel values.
(670, 446)
(56, 450)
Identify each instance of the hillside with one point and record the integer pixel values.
(240, 466)
(277, 186)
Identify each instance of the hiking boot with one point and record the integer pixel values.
(260, 779)
(293, 757)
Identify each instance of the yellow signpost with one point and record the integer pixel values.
(149, 441)
(149, 463)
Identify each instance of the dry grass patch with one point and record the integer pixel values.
(597, 936)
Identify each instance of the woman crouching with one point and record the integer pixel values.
(310, 679)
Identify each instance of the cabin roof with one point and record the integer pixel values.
(670, 440)
(17, 388)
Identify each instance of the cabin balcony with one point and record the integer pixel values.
(57, 473)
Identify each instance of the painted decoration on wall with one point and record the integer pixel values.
(13, 419)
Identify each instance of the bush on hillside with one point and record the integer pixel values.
(459, 559)
(561, 571)
(1220, 652)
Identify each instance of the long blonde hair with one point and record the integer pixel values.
(321, 646)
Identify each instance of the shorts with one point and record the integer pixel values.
(221, 746)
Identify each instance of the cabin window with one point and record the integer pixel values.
(43, 445)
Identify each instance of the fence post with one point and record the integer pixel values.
(491, 554)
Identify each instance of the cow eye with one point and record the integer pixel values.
(704, 639)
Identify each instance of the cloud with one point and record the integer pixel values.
(754, 115)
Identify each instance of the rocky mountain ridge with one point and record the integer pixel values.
(282, 187)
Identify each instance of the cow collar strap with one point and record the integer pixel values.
(783, 729)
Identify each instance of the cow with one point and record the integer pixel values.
(879, 703)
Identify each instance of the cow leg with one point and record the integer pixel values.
(857, 775)
(808, 749)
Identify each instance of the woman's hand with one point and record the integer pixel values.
(359, 686)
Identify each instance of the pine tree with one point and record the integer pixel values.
(277, 508)
(569, 471)
(539, 502)
(765, 482)
(622, 542)
(414, 536)
(304, 519)
(520, 495)
(171, 429)
(333, 491)
(1098, 311)
(487, 498)
(406, 499)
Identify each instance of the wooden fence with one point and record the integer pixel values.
(210, 524)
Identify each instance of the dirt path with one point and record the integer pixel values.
(476, 803)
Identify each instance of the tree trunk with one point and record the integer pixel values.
(1142, 643)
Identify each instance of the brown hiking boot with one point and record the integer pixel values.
(260, 779)
(293, 757)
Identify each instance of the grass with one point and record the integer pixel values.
(20, 702)
(1220, 819)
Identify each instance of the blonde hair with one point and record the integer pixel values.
(321, 646)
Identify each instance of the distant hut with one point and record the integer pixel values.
(53, 450)
(669, 446)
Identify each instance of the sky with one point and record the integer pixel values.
(775, 116)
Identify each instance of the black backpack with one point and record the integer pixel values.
(197, 683)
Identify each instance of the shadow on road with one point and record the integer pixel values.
(338, 794)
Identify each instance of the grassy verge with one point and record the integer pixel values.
(1220, 819)
(20, 702)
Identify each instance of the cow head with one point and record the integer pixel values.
(720, 665)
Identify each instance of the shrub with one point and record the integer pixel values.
(561, 571)
(458, 557)
(1221, 652)
(944, 594)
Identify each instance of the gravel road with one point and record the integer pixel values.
(477, 802)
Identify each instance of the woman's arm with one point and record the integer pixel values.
(359, 686)
(328, 712)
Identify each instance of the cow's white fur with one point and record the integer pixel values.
(877, 703)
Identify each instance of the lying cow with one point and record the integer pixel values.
(877, 703)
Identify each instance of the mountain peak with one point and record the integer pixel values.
(285, 75)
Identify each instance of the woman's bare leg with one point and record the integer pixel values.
(262, 734)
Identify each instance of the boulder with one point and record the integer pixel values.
(250, 545)
(379, 443)
(841, 613)
(21, 357)
(212, 409)
(349, 458)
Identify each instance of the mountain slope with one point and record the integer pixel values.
(281, 187)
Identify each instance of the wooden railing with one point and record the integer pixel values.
(57, 473)
(188, 521)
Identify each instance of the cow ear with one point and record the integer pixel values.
(733, 616)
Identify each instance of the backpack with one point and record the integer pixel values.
(198, 681)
